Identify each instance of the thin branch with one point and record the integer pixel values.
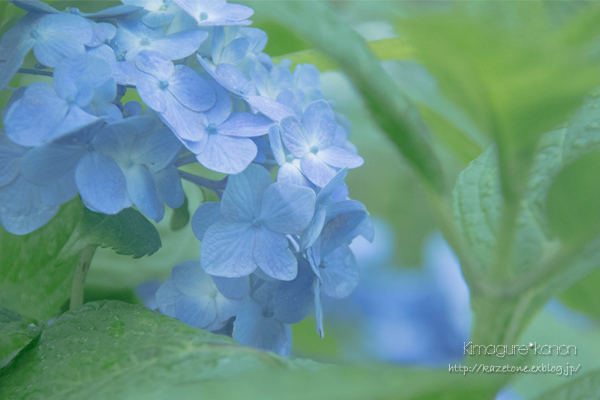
(185, 160)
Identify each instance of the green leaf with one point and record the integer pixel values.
(541, 265)
(507, 67)
(584, 296)
(36, 270)
(319, 24)
(180, 216)
(384, 49)
(584, 387)
(574, 200)
(128, 233)
(115, 350)
(15, 333)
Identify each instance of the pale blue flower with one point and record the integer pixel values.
(311, 141)
(82, 89)
(216, 12)
(249, 233)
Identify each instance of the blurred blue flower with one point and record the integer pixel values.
(255, 217)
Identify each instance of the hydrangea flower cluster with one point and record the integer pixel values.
(269, 250)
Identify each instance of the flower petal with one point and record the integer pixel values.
(242, 197)
(252, 328)
(243, 124)
(287, 208)
(205, 216)
(229, 155)
(319, 124)
(273, 256)
(101, 183)
(227, 250)
(339, 272)
(340, 158)
(191, 90)
(142, 192)
(316, 170)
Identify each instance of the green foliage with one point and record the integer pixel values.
(508, 69)
(574, 198)
(15, 333)
(585, 387)
(36, 270)
(584, 296)
(116, 350)
(180, 216)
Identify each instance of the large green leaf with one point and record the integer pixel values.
(110, 350)
(507, 67)
(541, 265)
(15, 333)
(36, 270)
(582, 388)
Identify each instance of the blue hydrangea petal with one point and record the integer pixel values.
(257, 38)
(116, 140)
(242, 197)
(290, 301)
(155, 64)
(269, 107)
(205, 216)
(196, 311)
(34, 6)
(229, 155)
(290, 173)
(309, 237)
(222, 108)
(340, 158)
(244, 124)
(191, 280)
(119, 11)
(306, 76)
(150, 92)
(288, 99)
(34, 117)
(169, 186)
(10, 65)
(132, 108)
(142, 192)
(277, 145)
(79, 76)
(252, 328)
(319, 124)
(102, 32)
(233, 288)
(191, 90)
(227, 249)
(179, 45)
(333, 184)
(158, 18)
(166, 298)
(210, 13)
(60, 192)
(108, 111)
(287, 208)
(316, 170)
(156, 149)
(62, 36)
(10, 158)
(339, 272)
(101, 183)
(273, 256)
(235, 52)
(185, 123)
(50, 162)
(21, 208)
(291, 133)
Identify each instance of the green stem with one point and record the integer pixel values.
(83, 266)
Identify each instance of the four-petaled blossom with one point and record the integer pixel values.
(311, 142)
(216, 12)
(255, 216)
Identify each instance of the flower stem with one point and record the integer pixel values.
(216, 186)
(83, 265)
